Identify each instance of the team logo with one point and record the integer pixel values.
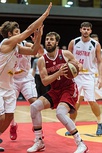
(90, 47)
(54, 63)
(60, 56)
(77, 46)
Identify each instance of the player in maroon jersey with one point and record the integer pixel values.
(62, 95)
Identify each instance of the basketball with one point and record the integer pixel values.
(73, 70)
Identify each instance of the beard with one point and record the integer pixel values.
(50, 49)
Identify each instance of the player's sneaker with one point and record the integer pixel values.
(82, 148)
(13, 132)
(67, 133)
(99, 129)
(38, 146)
(2, 149)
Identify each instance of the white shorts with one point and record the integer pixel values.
(26, 86)
(86, 83)
(82, 93)
(7, 101)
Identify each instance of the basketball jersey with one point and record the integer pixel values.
(52, 66)
(24, 65)
(8, 64)
(85, 53)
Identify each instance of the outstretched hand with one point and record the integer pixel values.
(46, 13)
(38, 32)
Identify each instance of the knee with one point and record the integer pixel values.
(58, 112)
(61, 112)
(33, 110)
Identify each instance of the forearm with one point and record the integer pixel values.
(35, 48)
(51, 78)
(36, 24)
(100, 69)
(37, 45)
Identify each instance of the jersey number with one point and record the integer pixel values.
(81, 61)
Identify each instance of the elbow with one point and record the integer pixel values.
(44, 83)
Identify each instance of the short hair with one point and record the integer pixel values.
(8, 26)
(93, 35)
(86, 24)
(57, 36)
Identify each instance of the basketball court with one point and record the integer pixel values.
(54, 131)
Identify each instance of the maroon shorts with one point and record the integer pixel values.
(68, 94)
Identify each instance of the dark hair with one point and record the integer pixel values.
(6, 27)
(86, 24)
(57, 36)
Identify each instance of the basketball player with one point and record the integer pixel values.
(62, 95)
(10, 50)
(23, 82)
(87, 51)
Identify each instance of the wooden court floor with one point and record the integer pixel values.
(86, 125)
(22, 114)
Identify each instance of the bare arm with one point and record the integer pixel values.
(70, 46)
(12, 41)
(99, 64)
(48, 79)
(33, 49)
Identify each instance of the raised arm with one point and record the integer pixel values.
(32, 49)
(9, 44)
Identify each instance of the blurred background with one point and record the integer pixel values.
(65, 16)
(66, 3)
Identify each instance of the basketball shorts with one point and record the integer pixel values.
(7, 101)
(68, 94)
(86, 84)
(26, 86)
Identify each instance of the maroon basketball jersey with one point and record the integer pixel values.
(53, 65)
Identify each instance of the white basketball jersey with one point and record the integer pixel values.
(85, 53)
(8, 64)
(24, 65)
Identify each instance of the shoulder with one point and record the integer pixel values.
(3, 41)
(68, 55)
(66, 52)
(94, 42)
(41, 59)
(76, 40)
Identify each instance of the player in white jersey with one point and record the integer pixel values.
(10, 49)
(87, 51)
(24, 82)
(73, 117)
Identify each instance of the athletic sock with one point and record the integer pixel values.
(77, 138)
(38, 133)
